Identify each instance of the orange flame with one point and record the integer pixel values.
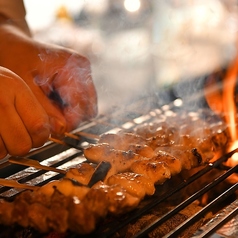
(230, 112)
(229, 107)
(221, 99)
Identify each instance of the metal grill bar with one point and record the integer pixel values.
(186, 203)
(112, 228)
(203, 211)
(226, 215)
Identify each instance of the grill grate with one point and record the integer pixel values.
(127, 118)
(112, 229)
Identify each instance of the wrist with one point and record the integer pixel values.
(18, 23)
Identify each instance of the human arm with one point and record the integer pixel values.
(50, 71)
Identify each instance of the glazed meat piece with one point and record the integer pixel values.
(59, 209)
(122, 140)
(157, 172)
(136, 184)
(37, 216)
(97, 153)
(159, 168)
(174, 164)
(80, 220)
(82, 173)
(61, 214)
(132, 142)
(189, 157)
(120, 160)
(66, 186)
(6, 212)
(96, 202)
(119, 200)
(143, 150)
(159, 140)
(148, 130)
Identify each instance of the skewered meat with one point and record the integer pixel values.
(6, 209)
(136, 184)
(119, 200)
(174, 164)
(82, 173)
(189, 157)
(122, 139)
(159, 168)
(143, 150)
(157, 172)
(120, 160)
(139, 159)
(62, 211)
(66, 187)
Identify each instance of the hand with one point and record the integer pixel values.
(24, 123)
(59, 78)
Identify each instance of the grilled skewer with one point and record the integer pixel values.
(15, 184)
(130, 178)
(34, 163)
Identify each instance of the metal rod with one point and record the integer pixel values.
(218, 221)
(182, 205)
(202, 212)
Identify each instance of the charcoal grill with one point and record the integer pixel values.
(224, 204)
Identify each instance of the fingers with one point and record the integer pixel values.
(79, 97)
(57, 121)
(14, 134)
(3, 150)
(33, 116)
(75, 87)
(71, 88)
(23, 123)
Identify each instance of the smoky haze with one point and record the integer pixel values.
(162, 44)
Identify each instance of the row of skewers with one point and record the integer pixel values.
(121, 169)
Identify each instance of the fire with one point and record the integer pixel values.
(230, 108)
(234, 159)
(221, 99)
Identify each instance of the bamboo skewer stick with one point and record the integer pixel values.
(81, 133)
(15, 184)
(34, 163)
(71, 135)
(85, 134)
(57, 141)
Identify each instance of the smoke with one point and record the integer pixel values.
(192, 38)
